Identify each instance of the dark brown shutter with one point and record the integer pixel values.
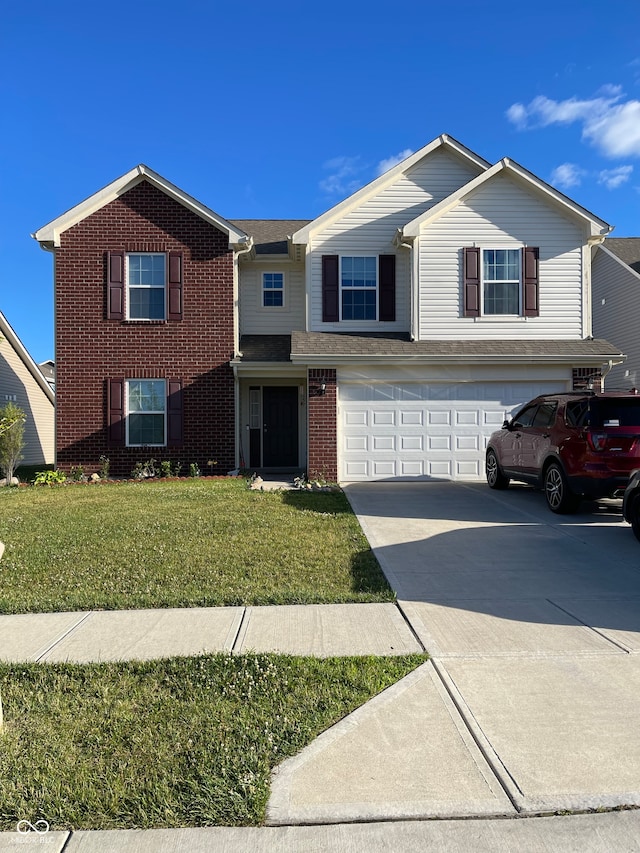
(387, 289)
(115, 285)
(174, 413)
(531, 288)
(471, 284)
(115, 412)
(330, 289)
(175, 285)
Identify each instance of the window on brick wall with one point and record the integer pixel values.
(144, 285)
(146, 412)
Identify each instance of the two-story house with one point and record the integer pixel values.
(386, 338)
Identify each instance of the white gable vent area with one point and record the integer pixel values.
(405, 431)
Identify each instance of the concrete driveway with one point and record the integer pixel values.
(533, 622)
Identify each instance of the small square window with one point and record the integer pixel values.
(272, 290)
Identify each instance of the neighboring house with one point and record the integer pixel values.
(48, 369)
(386, 338)
(22, 383)
(616, 304)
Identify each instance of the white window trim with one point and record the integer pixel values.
(150, 287)
(127, 382)
(501, 317)
(377, 287)
(270, 308)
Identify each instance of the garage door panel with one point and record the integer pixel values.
(417, 430)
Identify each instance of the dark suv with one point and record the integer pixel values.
(575, 445)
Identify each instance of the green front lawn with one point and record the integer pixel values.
(183, 543)
(180, 742)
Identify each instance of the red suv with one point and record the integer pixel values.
(575, 445)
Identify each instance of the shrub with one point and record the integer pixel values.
(12, 420)
(49, 478)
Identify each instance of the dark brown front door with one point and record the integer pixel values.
(280, 426)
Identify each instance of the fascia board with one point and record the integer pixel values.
(380, 183)
(51, 232)
(598, 226)
(325, 360)
(266, 368)
(16, 344)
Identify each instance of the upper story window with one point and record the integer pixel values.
(500, 282)
(146, 401)
(359, 288)
(146, 287)
(272, 290)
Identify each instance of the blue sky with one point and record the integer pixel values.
(280, 110)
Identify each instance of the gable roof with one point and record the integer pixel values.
(599, 228)
(49, 234)
(380, 183)
(626, 249)
(18, 347)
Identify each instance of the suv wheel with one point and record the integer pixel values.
(633, 514)
(559, 496)
(495, 478)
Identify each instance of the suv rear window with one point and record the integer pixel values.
(615, 413)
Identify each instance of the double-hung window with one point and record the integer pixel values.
(501, 281)
(359, 288)
(146, 401)
(272, 290)
(146, 286)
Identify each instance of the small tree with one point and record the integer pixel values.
(12, 420)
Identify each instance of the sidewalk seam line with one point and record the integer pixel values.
(491, 761)
(64, 636)
(68, 839)
(609, 640)
(411, 628)
(239, 631)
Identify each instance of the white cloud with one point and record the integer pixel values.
(567, 175)
(611, 126)
(390, 162)
(341, 180)
(614, 178)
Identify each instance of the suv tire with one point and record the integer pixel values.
(560, 498)
(495, 478)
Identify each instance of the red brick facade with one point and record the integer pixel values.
(323, 427)
(91, 349)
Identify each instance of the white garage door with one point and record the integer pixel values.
(410, 430)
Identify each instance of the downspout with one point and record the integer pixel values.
(236, 346)
(413, 288)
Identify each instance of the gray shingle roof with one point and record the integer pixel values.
(323, 343)
(270, 235)
(627, 249)
(265, 347)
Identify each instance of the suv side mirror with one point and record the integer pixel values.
(506, 424)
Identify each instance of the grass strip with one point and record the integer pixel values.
(167, 743)
(187, 543)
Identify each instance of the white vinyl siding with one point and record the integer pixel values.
(370, 230)
(616, 316)
(17, 385)
(502, 214)
(258, 320)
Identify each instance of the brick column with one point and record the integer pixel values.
(323, 427)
